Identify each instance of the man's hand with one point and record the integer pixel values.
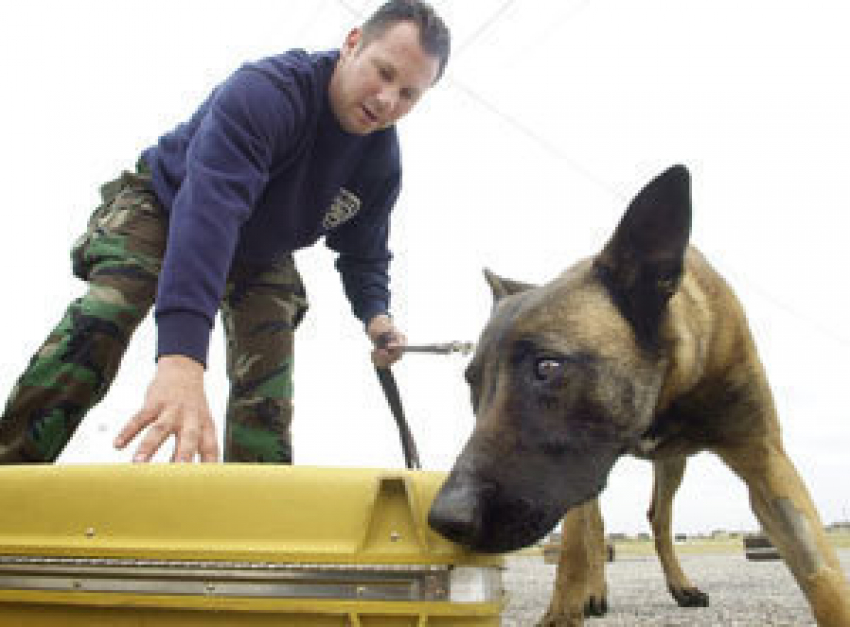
(388, 341)
(175, 404)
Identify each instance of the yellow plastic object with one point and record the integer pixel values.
(229, 544)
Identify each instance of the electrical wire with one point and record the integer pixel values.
(555, 150)
(486, 25)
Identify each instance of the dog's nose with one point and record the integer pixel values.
(455, 515)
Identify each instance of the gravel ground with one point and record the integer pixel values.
(742, 593)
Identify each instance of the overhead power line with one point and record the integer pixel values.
(356, 12)
(495, 17)
(555, 150)
(810, 324)
(535, 137)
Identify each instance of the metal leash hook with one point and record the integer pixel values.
(447, 348)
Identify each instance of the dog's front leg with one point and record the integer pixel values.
(785, 510)
(667, 476)
(580, 581)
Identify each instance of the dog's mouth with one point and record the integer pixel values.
(513, 525)
(494, 512)
(492, 525)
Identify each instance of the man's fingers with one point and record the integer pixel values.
(396, 349)
(130, 430)
(393, 351)
(156, 434)
(209, 444)
(389, 348)
(175, 404)
(188, 438)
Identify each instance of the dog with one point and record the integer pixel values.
(642, 349)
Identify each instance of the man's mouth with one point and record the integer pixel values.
(371, 117)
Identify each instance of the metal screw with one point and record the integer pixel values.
(90, 532)
(395, 536)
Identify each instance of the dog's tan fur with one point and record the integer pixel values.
(643, 350)
(711, 335)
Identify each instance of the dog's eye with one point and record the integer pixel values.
(546, 368)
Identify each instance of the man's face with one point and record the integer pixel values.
(375, 84)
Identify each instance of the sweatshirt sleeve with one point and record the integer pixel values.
(228, 160)
(364, 254)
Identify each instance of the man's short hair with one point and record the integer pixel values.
(434, 36)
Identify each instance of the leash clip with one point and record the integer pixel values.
(447, 348)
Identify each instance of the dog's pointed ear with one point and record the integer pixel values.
(501, 287)
(643, 262)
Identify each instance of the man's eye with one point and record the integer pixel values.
(546, 368)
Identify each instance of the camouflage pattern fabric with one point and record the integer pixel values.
(260, 311)
(120, 257)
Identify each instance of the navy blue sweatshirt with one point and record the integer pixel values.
(262, 169)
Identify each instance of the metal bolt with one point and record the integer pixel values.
(90, 532)
(395, 536)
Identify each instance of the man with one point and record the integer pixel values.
(286, 151)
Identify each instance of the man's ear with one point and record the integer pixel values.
(502, 287)
(643, 262)
(352, 40)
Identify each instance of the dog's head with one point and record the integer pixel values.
(566, 377)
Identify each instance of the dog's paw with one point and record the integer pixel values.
(689, 597)
(596, 607)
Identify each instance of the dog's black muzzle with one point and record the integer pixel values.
(504, 503)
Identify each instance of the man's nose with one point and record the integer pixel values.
(387, 99)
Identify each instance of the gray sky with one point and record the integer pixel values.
(552, 115)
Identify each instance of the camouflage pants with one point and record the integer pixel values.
(120, 256)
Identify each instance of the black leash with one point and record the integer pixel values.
(390, 388)
(408, 445)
